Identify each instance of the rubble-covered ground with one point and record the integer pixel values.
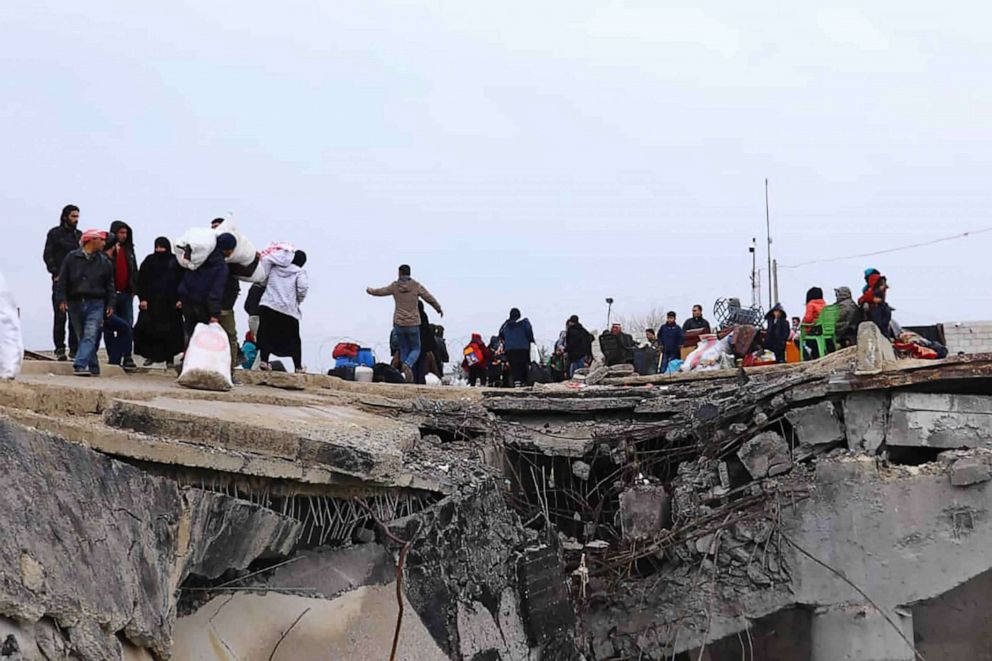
(829, 510)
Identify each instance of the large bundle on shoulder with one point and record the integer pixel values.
(277, 253)
(245, 262)
(207, 363)
(194, 246)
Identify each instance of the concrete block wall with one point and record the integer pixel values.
(968, 336)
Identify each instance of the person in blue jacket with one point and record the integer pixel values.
(671, 337)
(517, 336)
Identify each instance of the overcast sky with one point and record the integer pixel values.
(543, 155)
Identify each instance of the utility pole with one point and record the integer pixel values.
(768, 232)
(775, 280)
(755, 283)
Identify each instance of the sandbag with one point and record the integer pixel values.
(193, 247)
(207, 363)
(11, 340)
(244, 253)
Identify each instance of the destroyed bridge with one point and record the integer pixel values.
(836, 509)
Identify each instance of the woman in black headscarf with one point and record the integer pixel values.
(158, 335)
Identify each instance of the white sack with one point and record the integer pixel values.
(201, 241)
(244, 252)
(207, 364)
(11, 341)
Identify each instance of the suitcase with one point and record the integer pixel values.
(385, 373)
(347, 372)
(646, 361)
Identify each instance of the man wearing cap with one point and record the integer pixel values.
(85, 288)
(201, 291)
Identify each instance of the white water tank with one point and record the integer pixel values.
(363, 374)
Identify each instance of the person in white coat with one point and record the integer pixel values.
(279, 309)
(11, 341)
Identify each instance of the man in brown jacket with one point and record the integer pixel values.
(407, 292)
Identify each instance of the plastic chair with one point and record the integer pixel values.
(827, 323)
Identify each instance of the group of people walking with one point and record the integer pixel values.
(96, 279)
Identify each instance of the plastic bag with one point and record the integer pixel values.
(707, 356)
(244, 253)
(193, 247)
(11, 341)
(207, 364)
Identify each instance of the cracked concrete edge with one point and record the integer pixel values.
(90, 433)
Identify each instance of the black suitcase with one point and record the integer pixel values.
(385, 373)
(645, 361)
(347, 373)
(538, 374)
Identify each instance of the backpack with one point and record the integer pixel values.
(473, 354)
(346, 350)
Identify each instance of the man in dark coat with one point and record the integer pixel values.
(671, 337)
(201, 292)
(696, 321)
(617, 346)
(578, 344)
(61, 240)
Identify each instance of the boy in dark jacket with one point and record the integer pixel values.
(201, 292)
(671, 337)
(777, 332)
(61, 240)
(85, 289)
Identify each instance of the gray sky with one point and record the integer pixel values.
(544, 155)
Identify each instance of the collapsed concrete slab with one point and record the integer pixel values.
(766, 455)
(865, 418)
(644, 511)
(817, 424)
(940, 421)
(341, 439)
(875, 351)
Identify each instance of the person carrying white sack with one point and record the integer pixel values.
(279, 309)
(11, 341)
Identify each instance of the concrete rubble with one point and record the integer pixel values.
(833, 509)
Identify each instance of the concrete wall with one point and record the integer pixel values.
(956, 626)
(968, 336)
